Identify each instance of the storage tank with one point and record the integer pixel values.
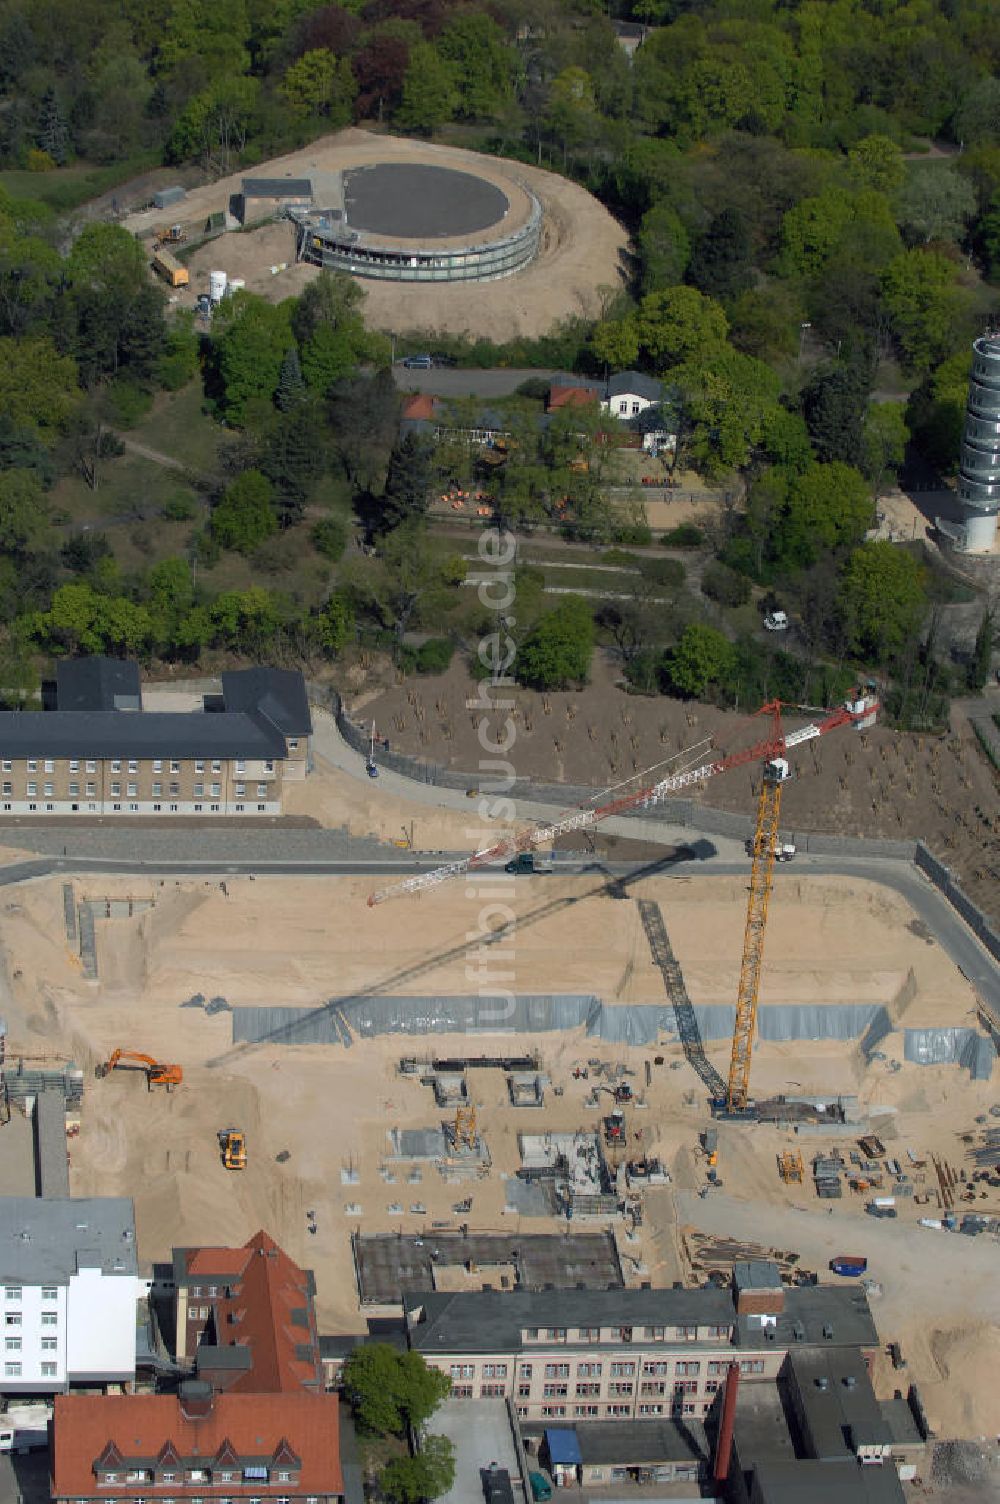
(217, 286)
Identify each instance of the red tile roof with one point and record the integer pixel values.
(269, 1287)
(139, 1427)
(571, 396)
(420, 405)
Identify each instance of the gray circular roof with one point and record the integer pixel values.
(420, 203)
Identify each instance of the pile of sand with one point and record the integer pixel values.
(964, 1401)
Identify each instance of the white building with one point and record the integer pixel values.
(69, 1285)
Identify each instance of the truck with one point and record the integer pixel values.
(170, 269)
(776, 621)
(874, 1210)
(850, 1265)
(24, 1428)
(784, 851)
(526, 863)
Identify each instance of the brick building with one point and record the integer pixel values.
(98, 752)
(245, 1317)
(232, 1448)
(629, 1354)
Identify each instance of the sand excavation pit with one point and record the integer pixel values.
(578, 267)
(317, 1116)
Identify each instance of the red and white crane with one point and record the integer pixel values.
(859, 711)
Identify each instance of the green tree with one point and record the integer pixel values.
(731, 402)
(38, 386)
(320, 84)
(701, 658)
(722, 262)
(252, 336)
(483, 65)
(811, 229)
(245, 515)
(293, 458)
(291, 385)
(388, 1390)
(834, 405)
(679, 324)
(178, 363)
(935, 413)
(827, 507)
(977, 118)
(328, 324)
(107, 258)
(557, 653)
(883, 599)
(982, 651)
(664, 248)
(877, 162)
(247, 621)
(936, 202)
(53, 132)
(426, 1475)
(24, 512)
(430, 94)
(883, 443)
(924, 306)
(335, 625)
(407, 486)
(571, 114)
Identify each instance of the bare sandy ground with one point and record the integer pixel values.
(579, 267)
(326, 1110)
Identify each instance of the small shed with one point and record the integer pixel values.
(165, 198)
(260, 198)
(565, 1459)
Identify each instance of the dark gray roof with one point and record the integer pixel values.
(237, 1356)
(47, 1241)
(492, 1321)
(827, 1483)
(277, 187)
(110, 733)
(641, 1441)
(98, 684)
(756, 1274)
(276, 694)
(837, 1407)
(901, 1421)
(627, 383)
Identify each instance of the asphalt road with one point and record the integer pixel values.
(444, 382)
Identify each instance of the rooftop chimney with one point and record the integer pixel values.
(195, 1398)
(724, 1445)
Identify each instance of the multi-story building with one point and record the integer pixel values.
(69, 1285)
(628, 1354)
(244, 1318)
(98, 752)
(176, 1448)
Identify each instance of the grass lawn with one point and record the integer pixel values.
(67, 187)
(176, 425)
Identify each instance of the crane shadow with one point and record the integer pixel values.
(612, 885)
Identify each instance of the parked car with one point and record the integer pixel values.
(776, 621)
(526, 863)
(418, 362)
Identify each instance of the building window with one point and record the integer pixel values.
(50, 1318)
(50, 1344)
(91, 765)
(255, 1475)
(588, 1389)
(216, 765)
(620, 1390)
(74, 765)
(157, 764)
(241, 791)
(555, 1391)
(50, 1292)
(109, 1477)
(215, 790)
(269, 764)
(12, 1370)
(523, 1391)
(463, 1370)
(8, 766)
(32, 790)
(133, 765)
(32, 764)
(116, 765)
(91, 790)
(654, 1388)
(49, 766)
(12, 1344)
(657, 1333)
(12, 1318)
(492, 1391)
(557, 1370)
(656, 1368)
(293, 744)
(688, 1369)
(157, 790)
(8, 788)
(175, 789)
(74, 791)
(687, 1333)
(553, 1410)
(241, 765)
(494, 1370)
(199, 766)
(116, 789)
(752, 1365)
(173, 809)
(175, 766)
(588, 1370)
(623, 1370)
(167, 1477)
(262, 791)
(132, 790)
(215, 809)
(199, 791)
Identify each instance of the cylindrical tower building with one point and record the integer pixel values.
(979, 469)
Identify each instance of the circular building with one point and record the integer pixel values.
(979, 470)
(420, 222)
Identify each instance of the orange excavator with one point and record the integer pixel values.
(157, 1074)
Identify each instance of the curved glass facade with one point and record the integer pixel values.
(979, 468)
